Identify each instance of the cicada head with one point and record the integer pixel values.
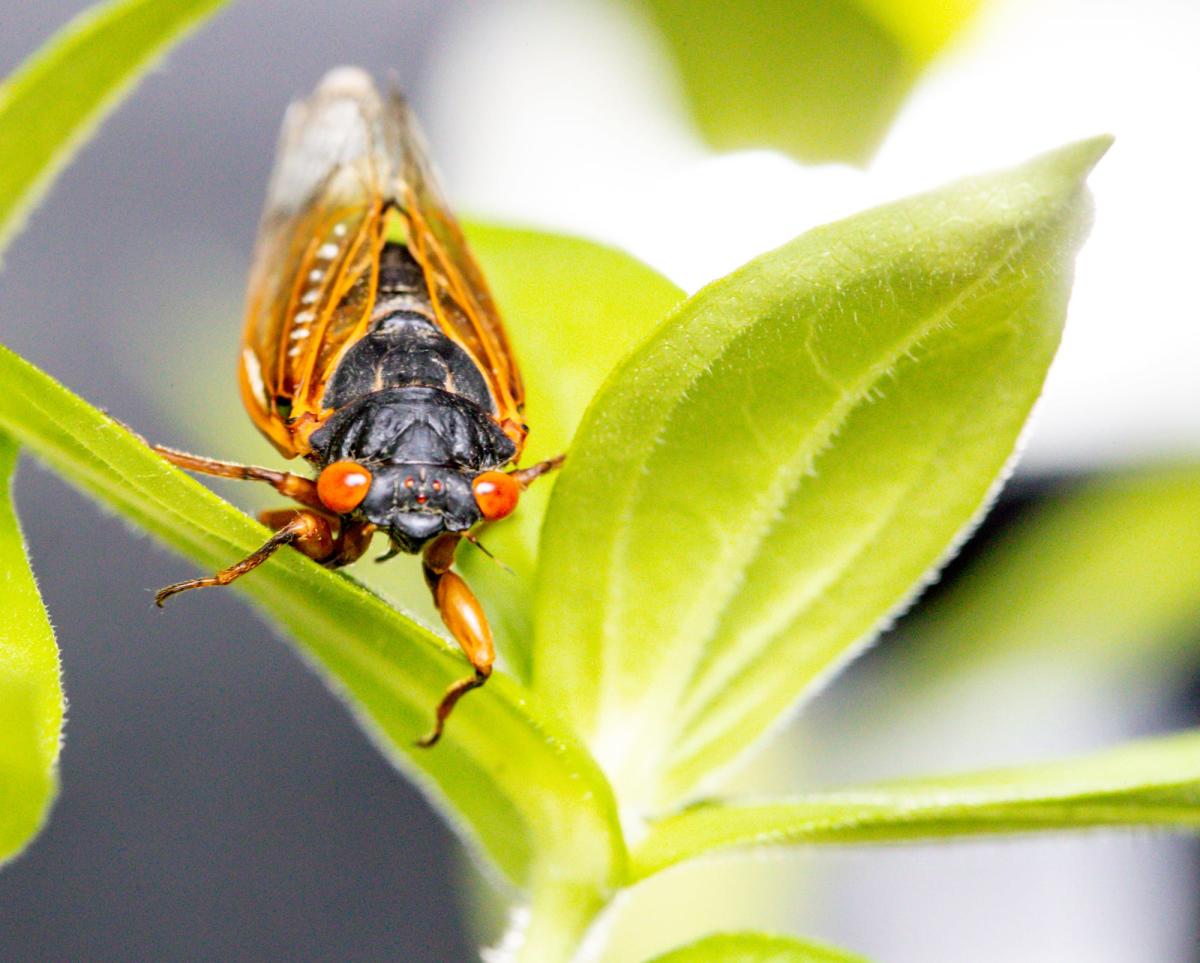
(415, 503)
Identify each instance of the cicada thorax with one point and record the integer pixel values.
(413, 408)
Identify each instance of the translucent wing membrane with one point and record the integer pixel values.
(313, 277)
(460, 294)
(349, 166)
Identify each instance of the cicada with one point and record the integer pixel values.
(373, 350)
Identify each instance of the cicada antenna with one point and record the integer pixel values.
(483, 548)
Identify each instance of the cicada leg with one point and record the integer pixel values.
(307, 531)
(349, 544)
(527, 476)
(461, 611)
(464, 617)
(296, 487)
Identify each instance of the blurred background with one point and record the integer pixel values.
(218, 803)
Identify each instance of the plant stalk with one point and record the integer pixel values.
(552, 927)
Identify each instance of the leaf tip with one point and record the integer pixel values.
(1078, 158)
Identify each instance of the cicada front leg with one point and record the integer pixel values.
(527, 476)
(464, 617)
(307, 531)
(456, 603)
(349, 543)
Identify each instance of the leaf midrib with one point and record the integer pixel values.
(692, 741)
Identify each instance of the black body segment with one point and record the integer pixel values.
(417, 425)
(405, 350)
(412, 406)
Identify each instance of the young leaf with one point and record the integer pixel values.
(54, 101)
(776, 470)
(819, 80)
(1151, 783)
(31, 698)
(506, 773)
(755, 948)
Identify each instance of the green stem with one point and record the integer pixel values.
(557, 920)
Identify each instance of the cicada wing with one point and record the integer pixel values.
(460, 296)
(315, 267)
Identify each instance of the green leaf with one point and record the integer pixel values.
(821, 79)
(50, 106)
(504, 772)
(776, 470)
(31, 698)
(1108, 577)
(573, 309)
(1151, 783)
(755, 948)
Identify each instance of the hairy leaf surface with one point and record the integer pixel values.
(31, 698)
(775, 471)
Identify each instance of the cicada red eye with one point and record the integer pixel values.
(496, 494)
(342, 486)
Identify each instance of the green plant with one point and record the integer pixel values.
(836, 70)
(768, 475)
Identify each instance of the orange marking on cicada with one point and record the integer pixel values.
(339, 282)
